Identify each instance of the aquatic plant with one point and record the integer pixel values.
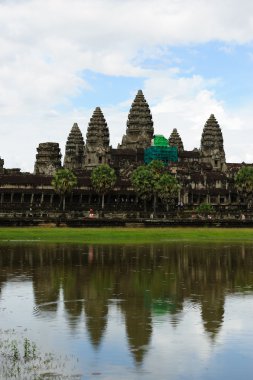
(20, 358)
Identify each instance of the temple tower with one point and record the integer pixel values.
(212, 149)
(74, 150)
(175, 140)
(97, 150)
(48, 158)
(140, 129)
(1, 166)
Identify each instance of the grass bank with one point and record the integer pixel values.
(119, 235)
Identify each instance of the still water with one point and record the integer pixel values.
(171, 311)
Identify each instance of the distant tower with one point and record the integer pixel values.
(97, 150)
(74, 151)
(140, 129)
(48, 158)
(1, 166)
(211, 149)
(175, 140)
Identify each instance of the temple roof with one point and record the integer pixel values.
(139, 115)
(98, 132)
(175, 140)
(212, 136)
(189, 154)
(75, 137)
(48, 158)
(74, 150)
(140, 129)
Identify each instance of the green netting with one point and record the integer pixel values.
(163, 153)
(160, 140)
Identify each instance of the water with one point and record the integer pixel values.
(171, 311)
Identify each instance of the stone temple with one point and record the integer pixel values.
(203, 172)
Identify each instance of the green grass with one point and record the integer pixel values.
(119, 235)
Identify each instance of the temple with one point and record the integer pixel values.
(203, 173)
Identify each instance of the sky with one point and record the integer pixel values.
(59, 59)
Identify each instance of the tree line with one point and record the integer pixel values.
(151, 181)
(148, 181)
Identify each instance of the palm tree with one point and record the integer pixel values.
(142, 182)
(63, 182)
(103, 179)
(244, 181)
(145, 179)
(167, 188)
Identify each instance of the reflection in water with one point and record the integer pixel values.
(146, 282)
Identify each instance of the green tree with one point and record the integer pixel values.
(205, 209)
(63, 182)
(157, 170)
(145, 181)
(244, 182)
(142, 182)
(167, 188)
(103, 179)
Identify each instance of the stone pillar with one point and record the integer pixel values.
(22, 197)
(186, 198)
(32, 197)
(2, 198)
(12, 194)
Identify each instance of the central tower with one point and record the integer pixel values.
(212, 149)
(140, 129)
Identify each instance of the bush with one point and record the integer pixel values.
(205, 209)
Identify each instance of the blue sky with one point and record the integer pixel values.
(229, 67)
(60, 59)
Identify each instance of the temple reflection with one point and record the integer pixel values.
(147, 282)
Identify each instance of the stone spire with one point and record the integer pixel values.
(98, 132)
(212, 149)
(140, 129)
(97, 140)
(1, 166)
(175, 140)
(48, 158)
(74, 151)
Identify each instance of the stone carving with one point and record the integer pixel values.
(97, 150)
(175, 140)
(140, 129)
(74, 151)
(48, 158)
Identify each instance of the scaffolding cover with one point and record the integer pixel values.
(160, 140)
(166, 154)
